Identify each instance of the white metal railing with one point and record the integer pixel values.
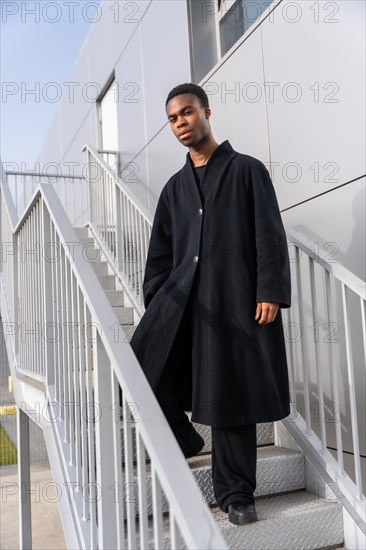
(116, 216)
(71, 190)
(112, 159)
(326, 347)
(118, 499)
(120, 222)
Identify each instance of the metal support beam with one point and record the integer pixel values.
(25, 524)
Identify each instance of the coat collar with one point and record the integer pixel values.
(214, 165)
(223, 149)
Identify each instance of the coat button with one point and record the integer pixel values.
(200, 211)
(195, 259)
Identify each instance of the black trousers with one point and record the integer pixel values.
(234, 449)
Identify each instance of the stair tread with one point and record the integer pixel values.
(263, 453)
(286, 521)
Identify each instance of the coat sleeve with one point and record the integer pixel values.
(273, 266)
(159, 260)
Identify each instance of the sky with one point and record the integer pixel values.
(36, 49)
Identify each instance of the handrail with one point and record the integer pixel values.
(323, 293)
(87, 369)
(122, 220)
(121, 184)
(121, 224)
(343, 274)
(74, 200)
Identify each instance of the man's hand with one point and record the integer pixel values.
(267, 312)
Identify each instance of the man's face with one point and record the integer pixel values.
(188, 119)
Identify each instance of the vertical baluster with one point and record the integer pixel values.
(48, 317)
(352, 392)
(104, 203)
(124, 233)
(107, 208)
(333, 372)
(112, 226)
(323, 435)
(142, 490)
(129, 479)
(90, 190)
(32, 326)
(119, 233)
(157, 509)
(22, 298)
(113, 221)
(70, 370)
(118, 476)
(363, 322)
(304, 347)
(135, 248)
(138, 254)
(102, 382)
(36, 281)
(29, 298)
(76, 405)
(27, 342)
(52, 255)
(83, 401)
(64, 325)
(100, 205)
(92, 494)
(37, 287)
(44, 295)
(175, 538)
(129, 238)
(60, 340)
(291, 365)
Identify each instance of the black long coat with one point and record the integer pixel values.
(224, 260)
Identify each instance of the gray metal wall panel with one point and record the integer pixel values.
(313, 130)
(165, 52)
(235, 116)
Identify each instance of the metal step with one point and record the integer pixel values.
(278, 470)
(116, 297)
(129, 330)
(82, 232)
(108, 282)
(124, 315)
(265, 435)
(91, 252)
(100, 268)
(294, 521)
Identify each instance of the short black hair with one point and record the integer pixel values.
(189, 88)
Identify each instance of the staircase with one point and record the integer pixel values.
(290, 517)
(131, 486)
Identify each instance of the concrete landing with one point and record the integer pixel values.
(47, 532)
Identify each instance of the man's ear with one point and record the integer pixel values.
(207, 112)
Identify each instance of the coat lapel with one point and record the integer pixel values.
(214, 169)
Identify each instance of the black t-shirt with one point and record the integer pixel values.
(199, 173)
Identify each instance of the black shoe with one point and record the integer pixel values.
(241, 514)
(196, 448)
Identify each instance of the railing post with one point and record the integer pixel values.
(48, 297)
(119, 233)
(25, 523)
(15, 294)
(106, 490)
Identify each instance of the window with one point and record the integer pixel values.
(108, 125)
(235, 17)
(215, 26)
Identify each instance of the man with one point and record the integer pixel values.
(217, 273)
